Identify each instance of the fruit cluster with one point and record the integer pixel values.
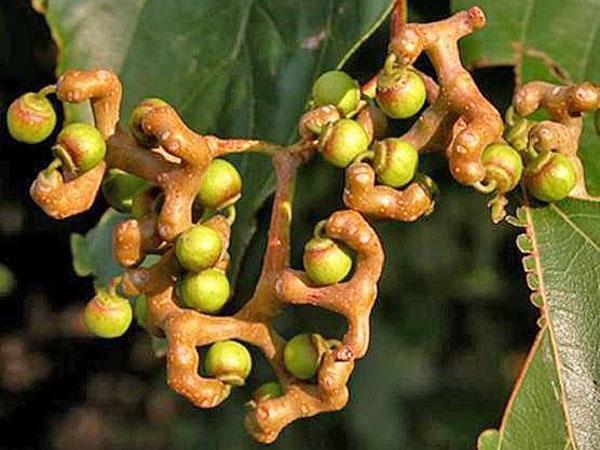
(180, 196)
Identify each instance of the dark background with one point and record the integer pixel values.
(451, 326)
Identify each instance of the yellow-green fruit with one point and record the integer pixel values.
(550, 177)
(119, 188)
(342, 142)
(108, 315)
(503, 164)
(401, 93)
(221, 185)
(325, 261)
(137, 116)
(30, 118)
(80, 147)
(337, 88)
(395, 162)
(267, 391)
(198, 248)
(301, 356)
(229, 361)
(206, 291)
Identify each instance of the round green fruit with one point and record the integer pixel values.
(119, 188)
(80, 147)
(301, 356)
(550, 177)
(337, 88)
(206, 291)
(395, 162)
(342, 142)
(198, 248)
(108, 315)
(503, 165)
(135, 121)
(267, 391)
(326, 262)
(221, 185)
(30, 118)
(401, 93)
(229, 361)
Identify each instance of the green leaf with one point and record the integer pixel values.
(556, 401)
(237, 68)
(552, 40)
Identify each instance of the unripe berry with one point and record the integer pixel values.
(550, 176)
(221, 185)
(108, 315)
(302, 356)
(395, 162)
(206, 291)
(325, 261)
(503, 165)
(267, 391)
(135, 121)
(80, 147)
(30, 118)
(229, 361)
(342, 142)
(119, 187)
(401, 93)
(338, 89)
(198, 248)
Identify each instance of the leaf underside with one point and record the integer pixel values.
(240, 68)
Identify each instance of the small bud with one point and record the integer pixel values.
(395, 162)
(338, 89)
(229, 361)
(30, 118)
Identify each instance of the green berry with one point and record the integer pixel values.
(108, 315)
(325, 261)
(198, 248)
(401, 93)
(229, 361)
(135, 121)
(80, 147)
(301, 356)
(550, 176)
(395, 162)
(30, 118)
(503, 164)
(206, 291)
(221, 185)
(119, 187)
(342, 142)
(140, 311)
(267, 391)
(337, 88)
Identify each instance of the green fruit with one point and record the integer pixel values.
(503, 165)
(80, 147)
(30, 118)
(395, 162)
(550, 177)
(267, 391)
(119, 188)
(140, 311)
(108, 315)
(229, 361)
(337, 88)
(198, 248)
(301, 356)
(221, 185)
(342, 142)
(135, 121)
(206, 291)
(401, 93)
(326, 262)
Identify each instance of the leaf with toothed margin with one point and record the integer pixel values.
(556, 400)
(552, 40)
(239, 68)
